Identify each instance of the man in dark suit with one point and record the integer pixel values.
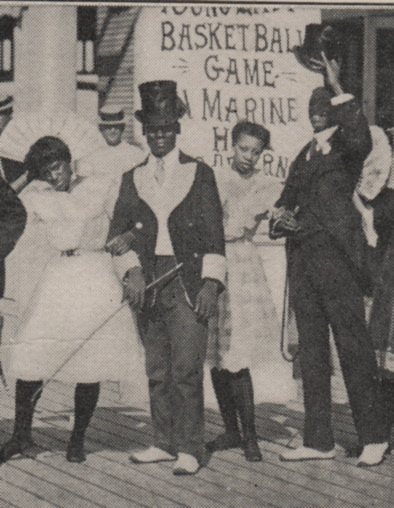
(12, 223)
(10, 169)
(327, 277)
(12, 212)
(171, 206)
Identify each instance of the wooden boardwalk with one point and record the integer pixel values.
(107, 479)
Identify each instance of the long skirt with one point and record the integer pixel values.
(77, 298)
(247, 332)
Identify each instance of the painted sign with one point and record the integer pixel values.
(231, 63)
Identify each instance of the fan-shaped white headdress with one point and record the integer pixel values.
(81, 136)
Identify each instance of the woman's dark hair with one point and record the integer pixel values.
(45, 150)
(251, 129)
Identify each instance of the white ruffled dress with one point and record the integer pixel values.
(63, 299)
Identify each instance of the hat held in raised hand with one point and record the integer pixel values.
(318, 39)
(160, 103)
(112, 115)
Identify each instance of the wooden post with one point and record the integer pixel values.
(45, 59)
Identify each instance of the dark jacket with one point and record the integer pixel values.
(322, 188)
(12, 223)
(195, 225)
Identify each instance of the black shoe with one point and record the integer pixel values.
(14, 447)
(75, 453)
(224, 442)
(252, 451)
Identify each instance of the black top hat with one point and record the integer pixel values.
(319, 38)
(160, 103)
(6, 105)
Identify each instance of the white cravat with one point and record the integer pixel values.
(160, 172)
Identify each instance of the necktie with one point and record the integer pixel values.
(312, 149)
(160, 172)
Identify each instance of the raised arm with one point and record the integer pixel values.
(354, 133)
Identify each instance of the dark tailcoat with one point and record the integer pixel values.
(328, 279)
(322, 188)
(195, 225)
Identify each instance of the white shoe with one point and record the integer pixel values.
(151, 455)
(304, 453)
(186, 464)
(373, 454)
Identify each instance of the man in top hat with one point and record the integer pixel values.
(327, 278)
(10, 170)
(171, 206)
(119, 155)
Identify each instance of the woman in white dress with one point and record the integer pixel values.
(66, 286)
(247, 335)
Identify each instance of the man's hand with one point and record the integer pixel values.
(333, 71)
(207, 300)
(283, 223)
(120, 244)
(134, 287)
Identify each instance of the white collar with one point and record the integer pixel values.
(323, 136)
(170, 160)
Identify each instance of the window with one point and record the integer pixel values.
(87, 17)
(7, 24)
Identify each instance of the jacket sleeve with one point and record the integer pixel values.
(288, 198)
(12, 218)
(120, 223)
(214, 261)
(354, 133)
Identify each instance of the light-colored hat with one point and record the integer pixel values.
(112, 115)
(6, 104)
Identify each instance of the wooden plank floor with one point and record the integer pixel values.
(107, 479)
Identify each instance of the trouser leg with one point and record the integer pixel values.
(388, 401)
(158, 369)
(188, 339)
(344, 305)
(314, 355)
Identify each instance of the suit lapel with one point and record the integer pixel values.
(175, 187)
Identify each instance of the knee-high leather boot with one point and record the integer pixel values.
(221, 380)
(85, 399)
(243, 395)
(21, 441)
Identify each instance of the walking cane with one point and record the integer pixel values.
(85, 341)
(284, 339)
